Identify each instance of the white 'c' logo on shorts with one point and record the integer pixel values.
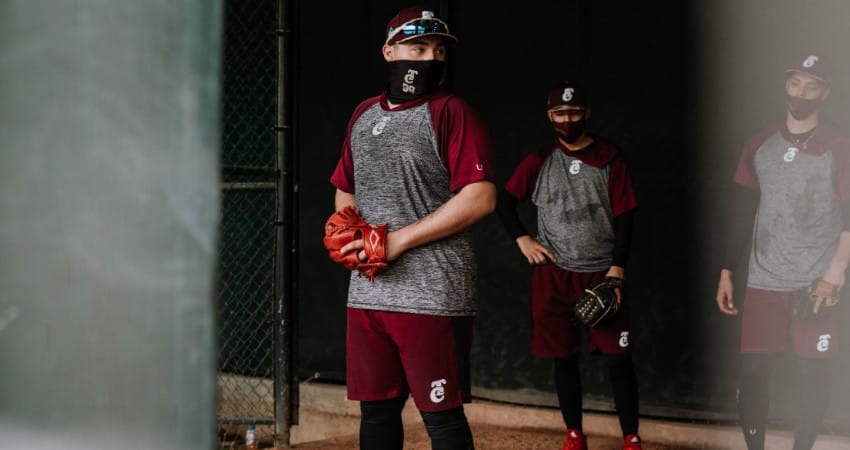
(823, 342)
(575, 166)
(438, 392)
(624, 339)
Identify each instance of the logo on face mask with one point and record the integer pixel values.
(568, 94)
(379, 127)
(823, 342)
(438, 392)
(409, 78)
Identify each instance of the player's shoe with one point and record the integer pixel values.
(575, 440)
(631, 442)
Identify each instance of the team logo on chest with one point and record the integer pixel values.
(575, 167)
(379, 127)
(790, 154)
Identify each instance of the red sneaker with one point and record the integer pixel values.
(631, 442)
(575, 440)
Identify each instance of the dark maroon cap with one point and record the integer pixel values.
(416, 21)
(813, 64)
(567, 95)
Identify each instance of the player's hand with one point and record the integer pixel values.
(725, 287)
(393, 251)
(534, 251)
(617, 272)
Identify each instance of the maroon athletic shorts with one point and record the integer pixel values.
(768, 322)
(555, 332)
(392, 354)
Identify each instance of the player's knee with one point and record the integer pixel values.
(448, 430)
(382, 411)
(619, 361)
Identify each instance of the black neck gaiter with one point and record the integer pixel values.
(409, 80)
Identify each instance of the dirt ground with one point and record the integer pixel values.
(486, 438)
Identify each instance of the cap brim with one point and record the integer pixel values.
(450, 38)
(567, 107)
(822, 79)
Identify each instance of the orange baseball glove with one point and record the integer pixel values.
(348, 225)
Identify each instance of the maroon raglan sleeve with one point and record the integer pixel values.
(745, 173)
(841, 150)
(342, 177)
(464, 142)
(524, 179)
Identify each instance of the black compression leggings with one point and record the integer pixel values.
(380, 424)
(448, 430)
(623, 384)
(813, 400)
(381, 427)
(754, 399)
(568, 387)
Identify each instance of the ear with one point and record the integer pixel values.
(550, 116)
(387, 51)
(587, 114)
(825, 94)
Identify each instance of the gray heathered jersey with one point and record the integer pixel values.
(574, 215)
(399, 178)
(799, 218)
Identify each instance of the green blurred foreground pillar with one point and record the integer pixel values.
(109, 147)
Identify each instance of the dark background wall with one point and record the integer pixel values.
(678, 85)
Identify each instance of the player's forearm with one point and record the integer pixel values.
(343, 199)
(838, 265)
(506, 209)
(622, 238)
(739, 227)
(468, 206)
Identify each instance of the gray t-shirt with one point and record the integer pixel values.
(574, 214)
(799, 218)
(401, 174)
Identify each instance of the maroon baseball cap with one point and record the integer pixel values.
(414, 22)
(813, 64)
(567, 95)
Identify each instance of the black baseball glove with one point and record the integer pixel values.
(599, 303)
(816, 300)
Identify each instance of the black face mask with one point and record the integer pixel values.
(802, 108)
(409, 80)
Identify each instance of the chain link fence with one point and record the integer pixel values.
(246, 280)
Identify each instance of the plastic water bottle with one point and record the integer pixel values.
(251, 438)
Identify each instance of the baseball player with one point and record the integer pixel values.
(417, 158)
(583, 194)
(792, 191)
